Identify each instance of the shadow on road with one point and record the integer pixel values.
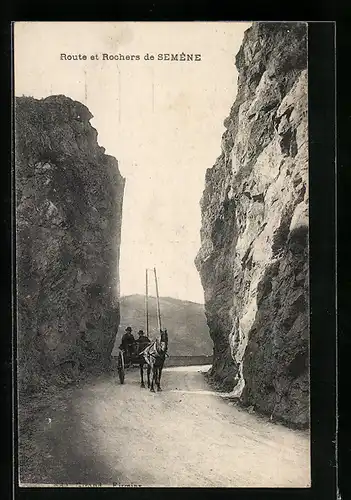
(53, 447)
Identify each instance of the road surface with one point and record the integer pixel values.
(186, 435)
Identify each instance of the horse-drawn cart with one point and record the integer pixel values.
(152, 355)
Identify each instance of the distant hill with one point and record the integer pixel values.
(185, 321)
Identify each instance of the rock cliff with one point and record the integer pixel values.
(253, 259)
(68, 220)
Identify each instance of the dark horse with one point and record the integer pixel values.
(154, 356)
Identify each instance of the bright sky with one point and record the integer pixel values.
(162, 120)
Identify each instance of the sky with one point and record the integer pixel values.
(162, 120)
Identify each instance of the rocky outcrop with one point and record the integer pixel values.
(253, 259)
(68, 221)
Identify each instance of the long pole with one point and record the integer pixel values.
(157, 302)
(146, 303)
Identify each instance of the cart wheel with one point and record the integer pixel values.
(120, 367)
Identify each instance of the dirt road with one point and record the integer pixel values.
(187, 435)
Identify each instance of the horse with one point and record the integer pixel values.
(154, 355)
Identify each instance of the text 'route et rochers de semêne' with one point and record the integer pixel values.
(177, 57)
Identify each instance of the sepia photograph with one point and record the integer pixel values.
(162, 254)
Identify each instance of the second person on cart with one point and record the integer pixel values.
(142, 342)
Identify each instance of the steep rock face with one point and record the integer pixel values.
(68, 220)
(253, 260)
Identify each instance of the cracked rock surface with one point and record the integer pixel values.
(68, 221)
(253, 259)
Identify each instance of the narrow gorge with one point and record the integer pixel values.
(69, 197)
(253, 259)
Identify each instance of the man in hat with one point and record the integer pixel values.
(128, 341)
(143, 341)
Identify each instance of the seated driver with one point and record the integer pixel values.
(128, 342)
